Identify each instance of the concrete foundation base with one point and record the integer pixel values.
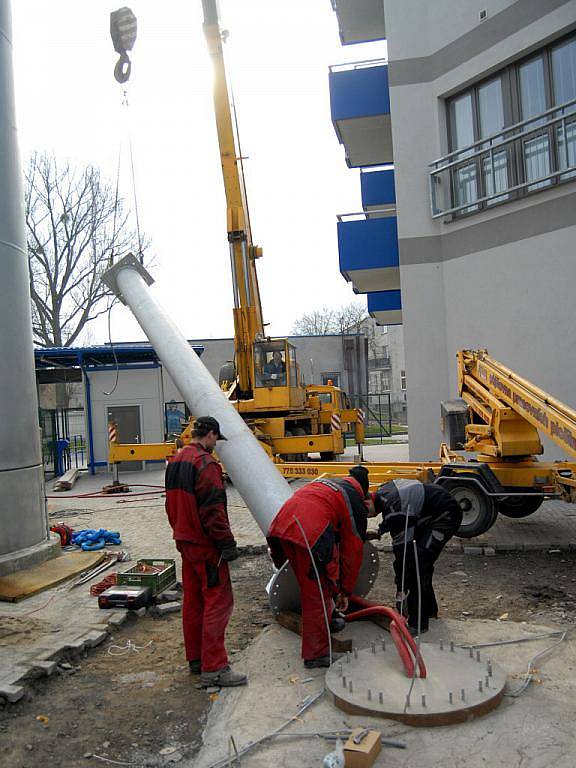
(31, 556)
(459, 685)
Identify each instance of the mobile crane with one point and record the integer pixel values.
(264, 382)
(496, 422)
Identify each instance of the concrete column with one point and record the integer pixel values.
(24, 535)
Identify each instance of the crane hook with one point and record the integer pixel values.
(123, 30)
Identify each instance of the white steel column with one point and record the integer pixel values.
(24, 533)
(258, 481)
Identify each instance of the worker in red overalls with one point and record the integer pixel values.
(326, 520)
(196, 509)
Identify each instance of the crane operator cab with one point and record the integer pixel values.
(277, 375)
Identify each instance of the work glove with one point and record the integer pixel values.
(229, 553)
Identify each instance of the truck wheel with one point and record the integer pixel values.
(519, 506)
(479, 512)
(327, 455)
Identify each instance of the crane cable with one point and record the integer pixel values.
(123, 28)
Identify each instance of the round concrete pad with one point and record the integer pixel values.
(458, 686)
(284, 592)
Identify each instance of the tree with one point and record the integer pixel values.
(320, 322)
(75, 228)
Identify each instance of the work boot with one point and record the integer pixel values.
(414, 630)
(225, 678)
(194, 667)
(321, 661)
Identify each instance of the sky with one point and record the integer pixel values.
(69, 104)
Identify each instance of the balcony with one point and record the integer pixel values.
(368, 250)
(360, 108)
(525, 158)
(378, 190)
(360, 21)
(377, 363)
(385, 307)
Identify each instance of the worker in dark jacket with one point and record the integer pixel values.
(326, 521)
(196, 509)
(429, 516)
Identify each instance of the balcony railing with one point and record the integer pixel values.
(366, 64)
(529, 156)
(375, 363)
(384, 211)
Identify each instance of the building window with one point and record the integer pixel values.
(403, 380)
(515, 128)
(385, 381)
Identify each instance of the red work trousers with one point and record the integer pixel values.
(314, 632)
(206, 609)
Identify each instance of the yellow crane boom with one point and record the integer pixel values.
(248, 322)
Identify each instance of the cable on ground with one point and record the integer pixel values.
(130, 647)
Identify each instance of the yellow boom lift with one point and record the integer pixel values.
(497, 423)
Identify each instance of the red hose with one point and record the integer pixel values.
(403, 640)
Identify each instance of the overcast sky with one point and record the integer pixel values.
(69, 103)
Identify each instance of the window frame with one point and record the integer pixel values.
(512, 112)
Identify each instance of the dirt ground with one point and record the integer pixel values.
(143, 709)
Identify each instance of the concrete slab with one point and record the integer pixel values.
(532, 731)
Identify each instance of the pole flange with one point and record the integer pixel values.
(109, 278)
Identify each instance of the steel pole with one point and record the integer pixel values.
(24, 535)
(258, 481)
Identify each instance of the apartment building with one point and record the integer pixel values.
(471, 238)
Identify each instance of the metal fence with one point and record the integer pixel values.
(385, 413)
(63, 440)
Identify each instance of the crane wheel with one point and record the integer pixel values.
(479, 512)
(519, 506)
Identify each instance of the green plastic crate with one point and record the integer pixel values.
(158, 582)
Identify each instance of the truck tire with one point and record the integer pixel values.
(327, 455)
(479, 512)
(519, 506)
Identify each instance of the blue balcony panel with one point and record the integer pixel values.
(385, 307)
(378, 189)
(360, 21)
(360, 109)
(368, 251)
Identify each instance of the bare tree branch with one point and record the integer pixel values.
(320, 322)
(70, 217)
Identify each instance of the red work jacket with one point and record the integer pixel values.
(324, 509)
(196, 502)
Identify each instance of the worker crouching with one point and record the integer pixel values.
(196, 509)
(421, 519)
(320, 530)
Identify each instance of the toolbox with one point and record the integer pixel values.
(129, 597)
(156, 573)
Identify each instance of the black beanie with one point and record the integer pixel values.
(360, 474)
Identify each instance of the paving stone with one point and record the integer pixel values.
(473, 550)
(165, 608)
(46, 668)
(117, 618)
(489, 552)
(11, 693)
(95, 637)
